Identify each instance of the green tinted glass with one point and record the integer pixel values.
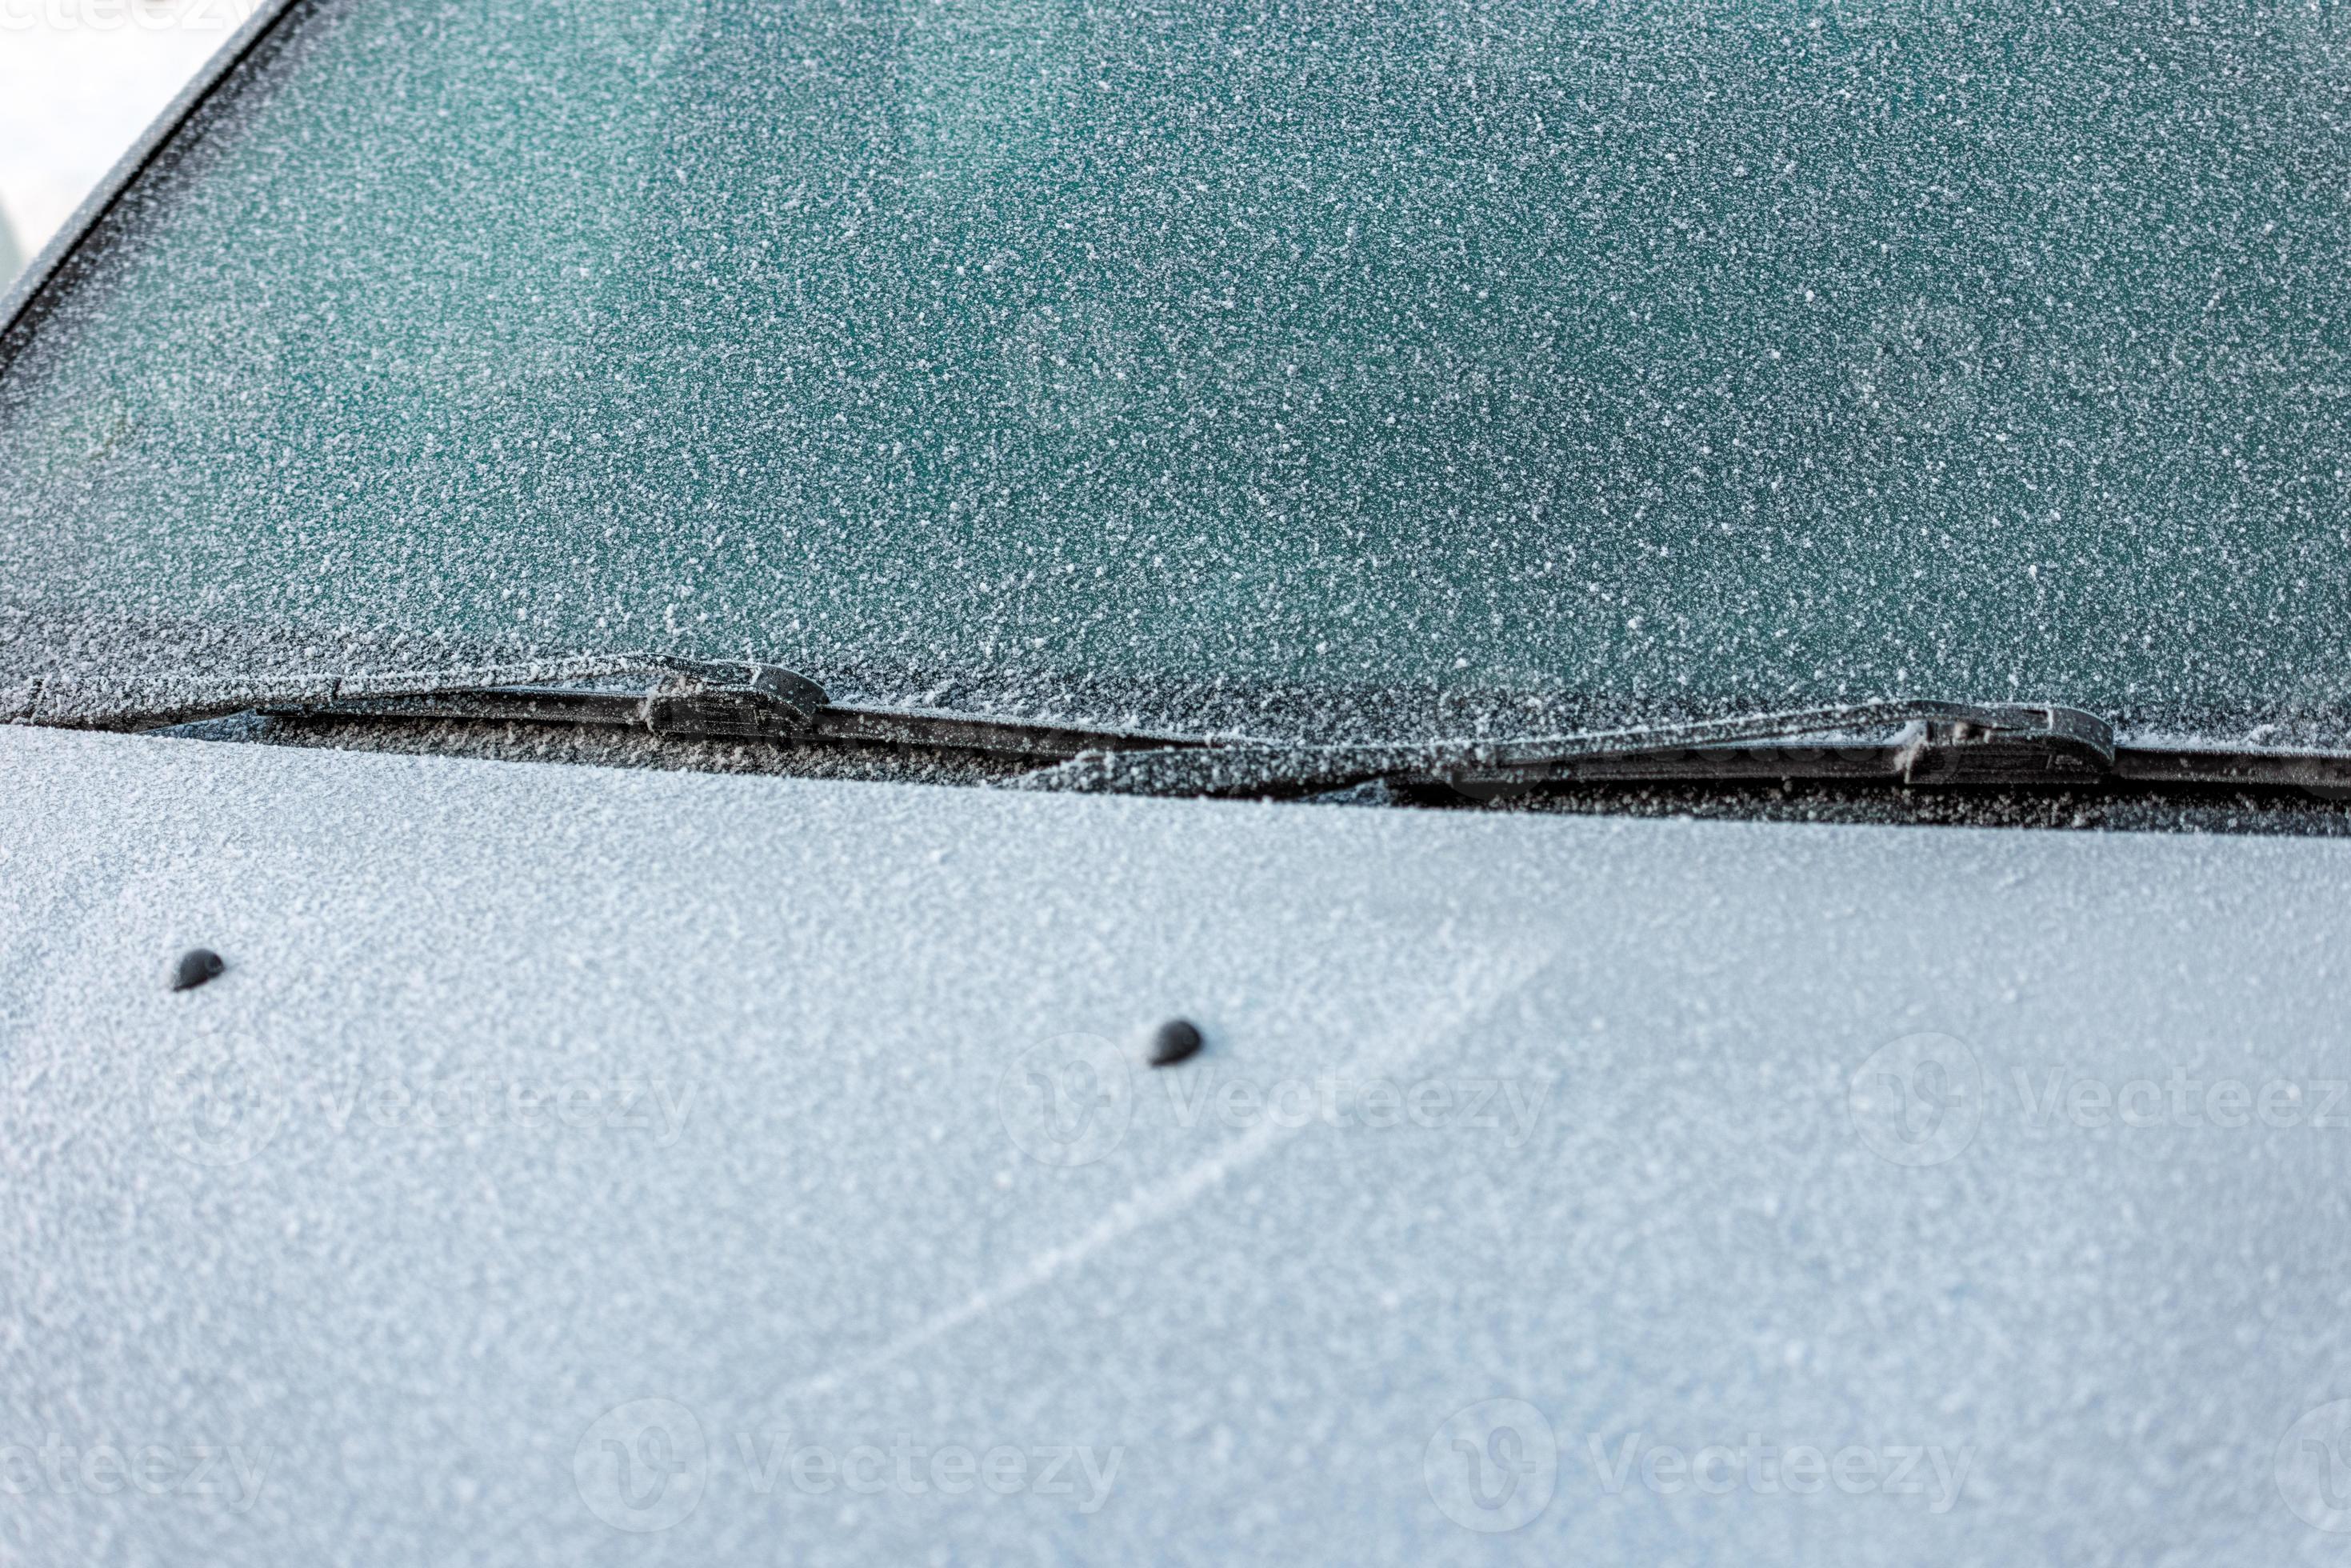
(1199, 361)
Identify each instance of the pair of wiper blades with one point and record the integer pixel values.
(2023, 745)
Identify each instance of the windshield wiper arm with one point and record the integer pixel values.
(2033, 745)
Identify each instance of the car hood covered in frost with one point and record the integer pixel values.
(581, 1165)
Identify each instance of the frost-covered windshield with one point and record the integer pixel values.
(1318, 366)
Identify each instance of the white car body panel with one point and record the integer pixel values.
(535, 1093)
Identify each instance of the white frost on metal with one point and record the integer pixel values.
(579, 1166)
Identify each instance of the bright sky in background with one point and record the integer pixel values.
(80, 79)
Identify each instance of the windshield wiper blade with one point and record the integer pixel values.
(686, 699)
(741, 711)
(792, 700)
(2035, 745)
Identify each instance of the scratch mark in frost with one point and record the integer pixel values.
(1151, 1203)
